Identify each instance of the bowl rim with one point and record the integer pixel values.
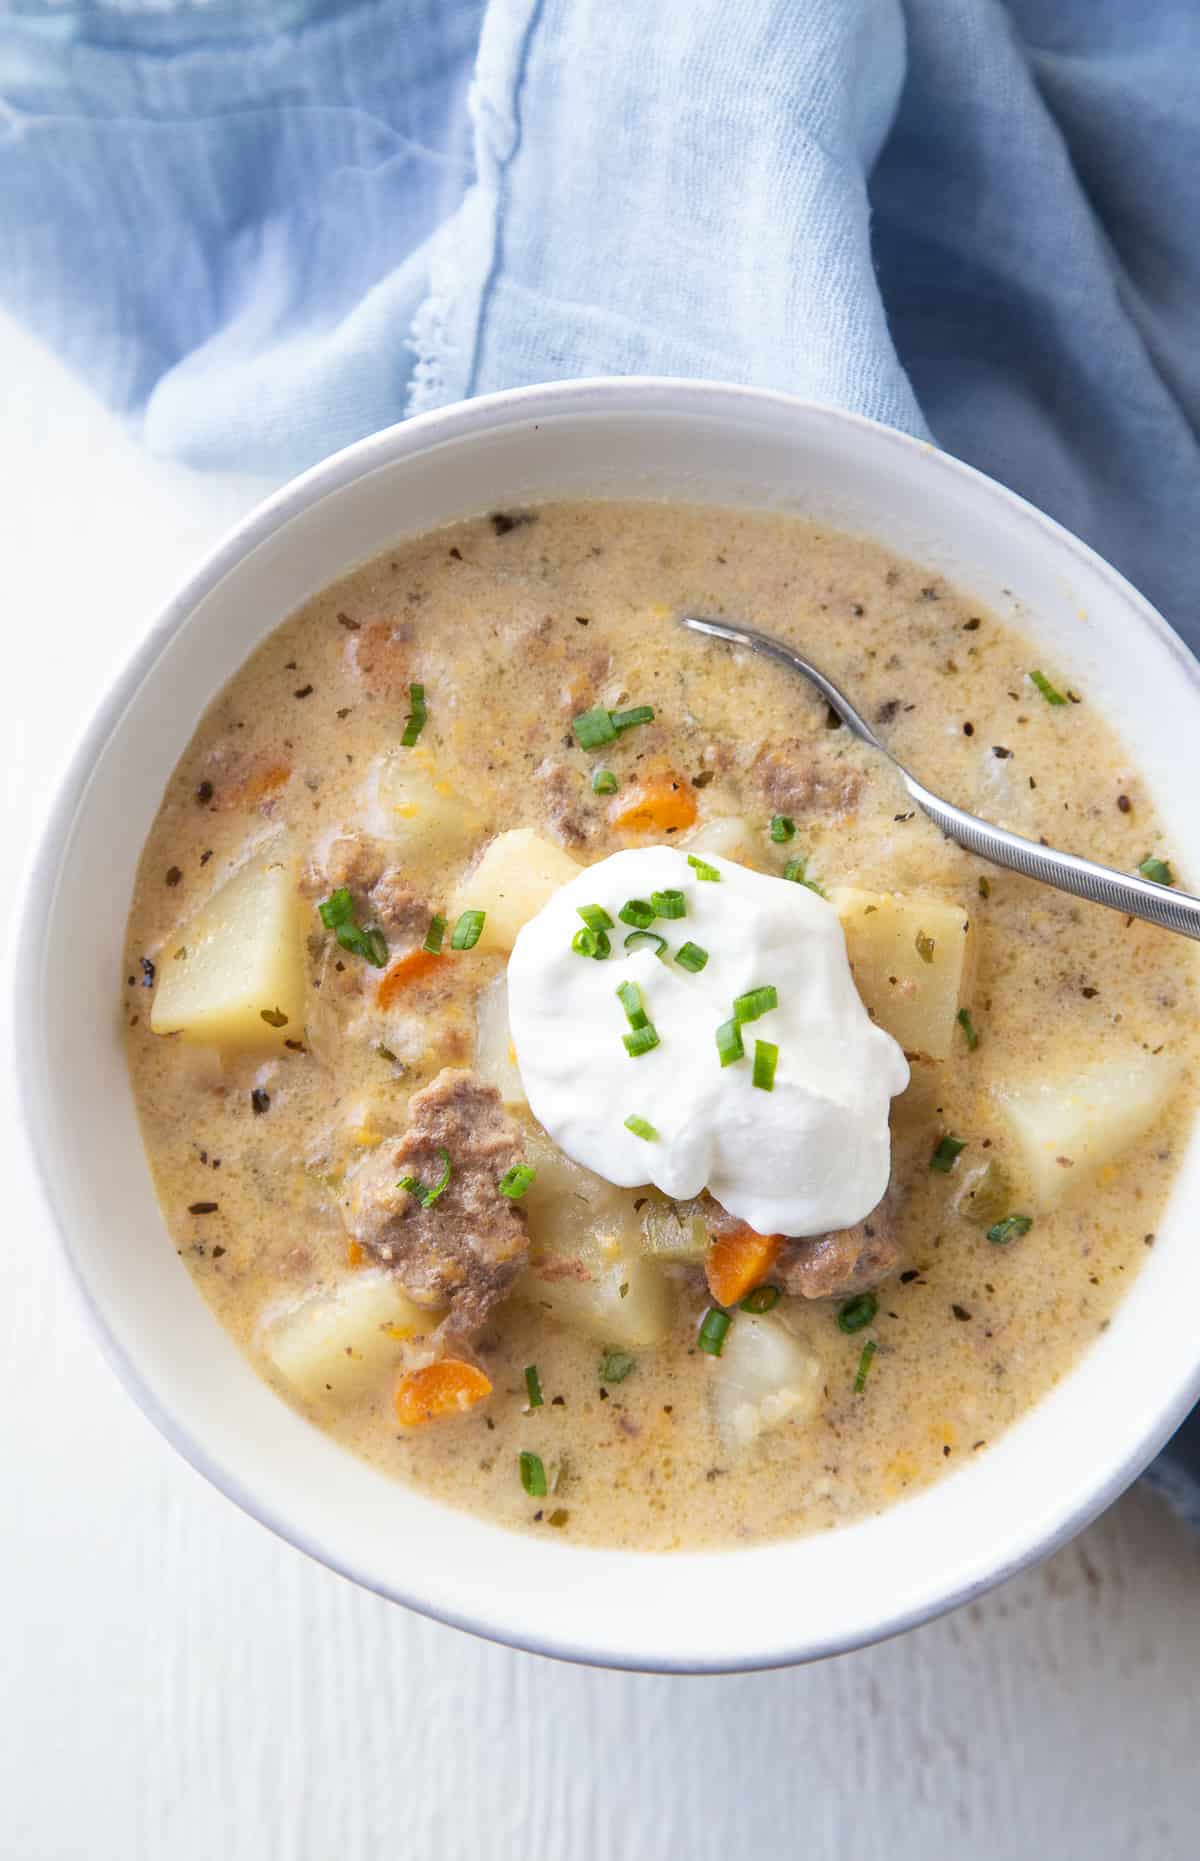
(465, 419)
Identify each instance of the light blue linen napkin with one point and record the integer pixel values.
(263, 229)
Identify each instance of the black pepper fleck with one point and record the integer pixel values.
(174, 875)
(204, 793)
(260, 1101)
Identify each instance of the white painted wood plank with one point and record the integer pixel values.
(175, 1683)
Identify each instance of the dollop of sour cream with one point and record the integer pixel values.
(810, 1155)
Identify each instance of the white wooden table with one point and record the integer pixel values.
(175, 1685)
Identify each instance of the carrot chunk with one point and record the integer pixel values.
(449, 1387)
(739, 1261)
(252, 781)
(655, 804)
(355, 1254)
(405, 970)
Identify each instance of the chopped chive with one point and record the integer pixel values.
(1049, 692)
(1009, 1229)
(591, 943)
(516, 1181)
(337, 915)
(755, 1002)
(713, 1330)
(855, 1313)
(729, 1042)
(924, 945)
(604, 782)
(762, 1299)
(964, 1020)
(533, 1386)
(690, 956)
(669, 904)
(637, 938)
(946, 1152)
(434, 935)
(468, 930)
(640, 1128)
(615, 1366)
(427, 1197)
(594, 727)
(625, 720)
(702, 869)
(640, 1041)
(1156, 869)
(595, 917)
(417, 717)
(864, 1365)
(630, 998)
(533, 1475)
(797, 871)
(766, 1058)
(783, 828)
(638, 912)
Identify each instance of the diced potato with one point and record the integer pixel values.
(1067, 1126)
(240, 983)
(626, 1303)
(764, 1376)
(575, 1213)
(339, 1340)
(912, 959)
(729, 836)
(516, 875)
(673, 1232)
(415, 809)
(495, 1056)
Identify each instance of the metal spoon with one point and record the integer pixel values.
(1101, 885)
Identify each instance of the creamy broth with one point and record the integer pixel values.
(515, 624)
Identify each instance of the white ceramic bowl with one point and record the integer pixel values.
(645, 439)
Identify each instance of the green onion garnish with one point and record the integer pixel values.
(762, 1299)
(516, 1181)
(713, 1329)
(1157, 870)
(533, 1475)
(947, 1150)
(766, 1058)
(964, 1020)
(434, 935)
(1009, 1229)
(857, 1312)
(797, 871)
(637, 938)
(669, 904)
(591, 943)
(592, 728)
(864, 1365)
(640, 1041)
(604, 782)
(783, 828)
(615, 1366)
(625, 720)
(702, 869)
(595, 917)
(533, 1386)
(597, 726)
(468, 930)
(640, 1128)
(729, 1043)
(638, 912)
(427, 1197)
(630, 998)
(690, 956)
(337, 915)
(1049, 692)
(755, 1002)
(415, 722)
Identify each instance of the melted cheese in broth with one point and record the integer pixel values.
(515, 625)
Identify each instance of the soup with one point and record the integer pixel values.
(406, 780)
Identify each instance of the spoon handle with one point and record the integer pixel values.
(1100, 885)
